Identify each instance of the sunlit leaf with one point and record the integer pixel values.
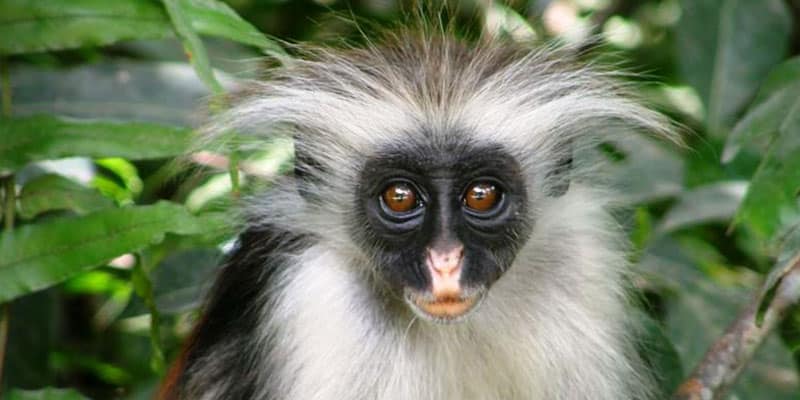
(55, 192)
(28, 139)
(216, 189)
(125, 171)
(38, 25)
(97, 281)
(33, 257)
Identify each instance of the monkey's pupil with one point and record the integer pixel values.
(400, 197)
(481, 196)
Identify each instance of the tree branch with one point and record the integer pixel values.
(723, 362)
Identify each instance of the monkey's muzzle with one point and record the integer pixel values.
(446, 300)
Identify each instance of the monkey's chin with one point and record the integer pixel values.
(444, 311)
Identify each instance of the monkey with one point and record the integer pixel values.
(444, 235)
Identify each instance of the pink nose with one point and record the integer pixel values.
(446, 261)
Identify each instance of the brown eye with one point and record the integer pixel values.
(482, 196)
(400, 197)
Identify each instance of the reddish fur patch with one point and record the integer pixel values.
(170, 386)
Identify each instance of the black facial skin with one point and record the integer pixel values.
(441, 175)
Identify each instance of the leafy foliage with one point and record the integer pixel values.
(112, 220)
(38, 255)
(45, 138)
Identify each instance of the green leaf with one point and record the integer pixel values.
(762, 122)
(144, 289)
(727, 47)
(192, 44)
(54, 192)
(33, 257)
(215, 18)
(46, 394)
(40, 25)
(161, 92)
(24, 140)
(772, 202)
(786, 73)
(779, 93)
(696, 40)
(118, 179)
(716, 202)
(125, 171)
(660, 355)
(90, 365)
(755, 31)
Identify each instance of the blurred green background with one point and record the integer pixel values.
(114, 223)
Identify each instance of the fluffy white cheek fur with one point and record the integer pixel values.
(552, 327)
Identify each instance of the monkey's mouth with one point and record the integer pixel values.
(448, 309)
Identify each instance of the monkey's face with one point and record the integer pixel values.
(443, 223)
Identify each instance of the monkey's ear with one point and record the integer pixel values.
(560, 174)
